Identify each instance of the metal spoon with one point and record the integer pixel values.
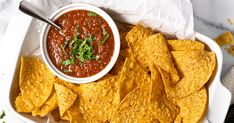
(30, 10)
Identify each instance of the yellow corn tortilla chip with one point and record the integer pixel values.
(156, 83)
(178, 119)
(73, 114)
(164, 109)
(225, 38)
(177, 45)
(98, 99)
(71, 86)
(137, 33)
(36, 83)
(47, 107)
(157, 51)
(22, 105)
(134, 39)
(134, 108)
(65, 98)
(160, 106)
(66, 116)
(192, 107)
(195, 66)
(132, 76)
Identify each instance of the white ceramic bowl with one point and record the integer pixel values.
(105, 16)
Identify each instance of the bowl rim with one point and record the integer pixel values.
(106, 17)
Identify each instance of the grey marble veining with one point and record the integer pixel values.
(219, 26)
(210, 16)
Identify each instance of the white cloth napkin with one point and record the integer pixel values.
(173, 17)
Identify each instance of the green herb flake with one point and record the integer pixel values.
(71, 43)
(63, 49)
(104, 39)
(92, 14)
(80, 49)
(2, 115)
(67, 62)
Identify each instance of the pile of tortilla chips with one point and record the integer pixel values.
(154, 80)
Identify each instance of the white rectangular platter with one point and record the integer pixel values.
(22, 38)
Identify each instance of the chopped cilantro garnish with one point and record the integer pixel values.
(89, 38)
(67, 62)
(84, 53)
(92, 14)
(104, 39)
(80, 49)
(63, 50)
(71, 43)
(2, 115)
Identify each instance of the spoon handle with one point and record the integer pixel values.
(28, 9)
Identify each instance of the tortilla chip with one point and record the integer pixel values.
(137, 33)
(22, 105)
(195, 67)
(177, 45)
(66, 116)
(73, 118)
(98, 99)
(36, 83)
(157, 88)
(132, 76)
(192, 107)
(47, 107)
(225, 38)
(178, 119)
(134, 39)
(160, 106)
(164, 110)
(73, 114)
(159, 54)
(65, 98)
(69, 85)
(134, 108)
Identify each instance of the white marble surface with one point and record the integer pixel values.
(210, 18)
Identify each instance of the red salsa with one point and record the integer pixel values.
(84, 46)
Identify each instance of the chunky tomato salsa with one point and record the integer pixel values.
(84, 46)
